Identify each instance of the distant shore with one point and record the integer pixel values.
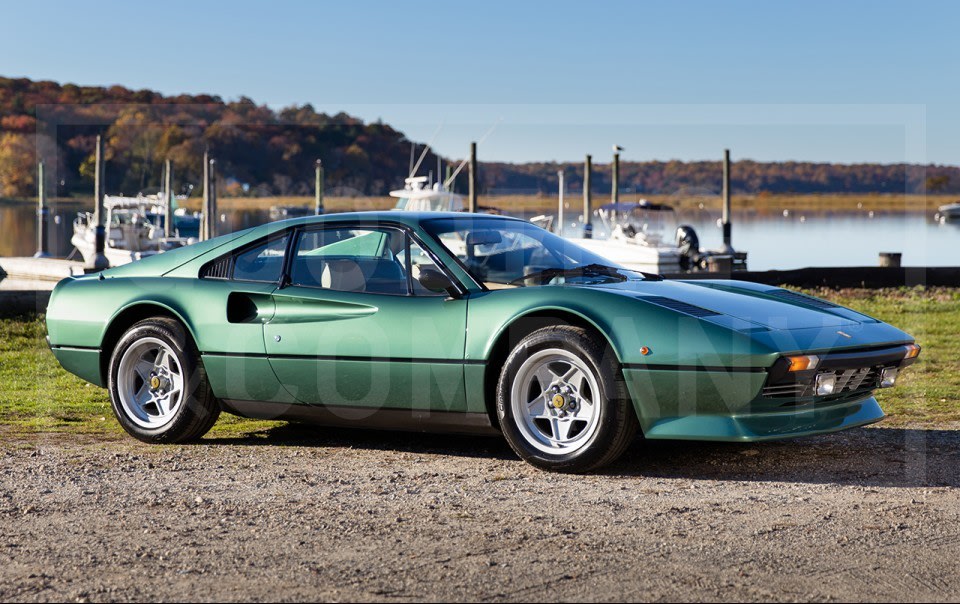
(764, 203)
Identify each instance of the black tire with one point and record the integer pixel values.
(617, 423)
(197, 411)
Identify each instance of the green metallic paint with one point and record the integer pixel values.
(244, 377)
(660, 394)
(293, 308)
(700, 379)
(627, 322)
(423, 338)
(795, 422)
(84, 362)
(393, 384)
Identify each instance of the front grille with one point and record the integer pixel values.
(855, 379)
(785, 390)
(848, 380)
(677, 305)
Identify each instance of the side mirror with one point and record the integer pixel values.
(436, 281)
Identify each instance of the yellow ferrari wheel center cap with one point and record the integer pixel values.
(154, 382)
(558, 400)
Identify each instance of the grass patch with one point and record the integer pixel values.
(36, 395)
(929, 390)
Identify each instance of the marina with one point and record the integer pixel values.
(635, 233)
(848, 238)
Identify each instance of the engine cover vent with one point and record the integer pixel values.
(789, 296)
(685, 308)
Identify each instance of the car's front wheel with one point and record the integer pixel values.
(560, 401)
(158, 388)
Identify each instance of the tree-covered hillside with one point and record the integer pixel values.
(261, 151)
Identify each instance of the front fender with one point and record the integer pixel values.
(672, 339)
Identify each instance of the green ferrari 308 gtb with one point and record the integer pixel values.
(464, 323)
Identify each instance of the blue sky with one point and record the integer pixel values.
(820, 81)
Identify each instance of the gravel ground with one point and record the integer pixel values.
(300, 513)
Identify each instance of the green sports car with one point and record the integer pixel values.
(464, 323)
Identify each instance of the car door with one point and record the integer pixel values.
(351, 327)
(230, 304)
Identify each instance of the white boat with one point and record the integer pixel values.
(950, 211)
(134, 229)
(416, 196)
(639, 236)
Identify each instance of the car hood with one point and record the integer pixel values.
(742, 306)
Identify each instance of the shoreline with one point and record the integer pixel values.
(885, 202)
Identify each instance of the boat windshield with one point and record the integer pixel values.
(502, 253)
(653, 223)
(437, 202)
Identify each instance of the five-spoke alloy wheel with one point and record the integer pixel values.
(554, 398)
(561, 403)
(158, 388)
(150, 383)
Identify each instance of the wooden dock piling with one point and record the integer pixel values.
(615, 186)
(559, 229)
(214, 214)
(587, 211)
(472, 198)
(205, 208)
(725, 220)
(99, 261)
(43, 214)
(168, 201)
(318, 193)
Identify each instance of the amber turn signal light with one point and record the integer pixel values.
(912, 351)
(803, 362)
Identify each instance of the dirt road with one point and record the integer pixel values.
(314, 514)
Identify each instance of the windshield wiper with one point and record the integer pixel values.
(586, 270)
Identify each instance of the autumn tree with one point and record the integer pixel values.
(17, 170)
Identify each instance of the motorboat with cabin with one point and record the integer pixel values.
(649, 237)
(418, 196)
(635, 235)
(950, 211)
(134, 229)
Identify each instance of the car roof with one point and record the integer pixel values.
(407, 218)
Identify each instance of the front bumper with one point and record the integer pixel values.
(750, 427)
(743, 404)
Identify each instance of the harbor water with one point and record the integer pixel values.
(773, 240)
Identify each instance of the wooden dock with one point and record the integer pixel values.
(39, 269)
(26, 283)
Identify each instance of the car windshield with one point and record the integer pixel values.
(501, 253)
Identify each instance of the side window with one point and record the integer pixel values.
(418, 261)
(352, 259)
(263, 262)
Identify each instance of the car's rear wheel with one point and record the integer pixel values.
(561, 403)
(158, 388)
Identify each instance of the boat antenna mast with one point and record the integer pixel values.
(426, 149)
(453, 176)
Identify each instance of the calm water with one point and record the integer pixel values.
(772, 240)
